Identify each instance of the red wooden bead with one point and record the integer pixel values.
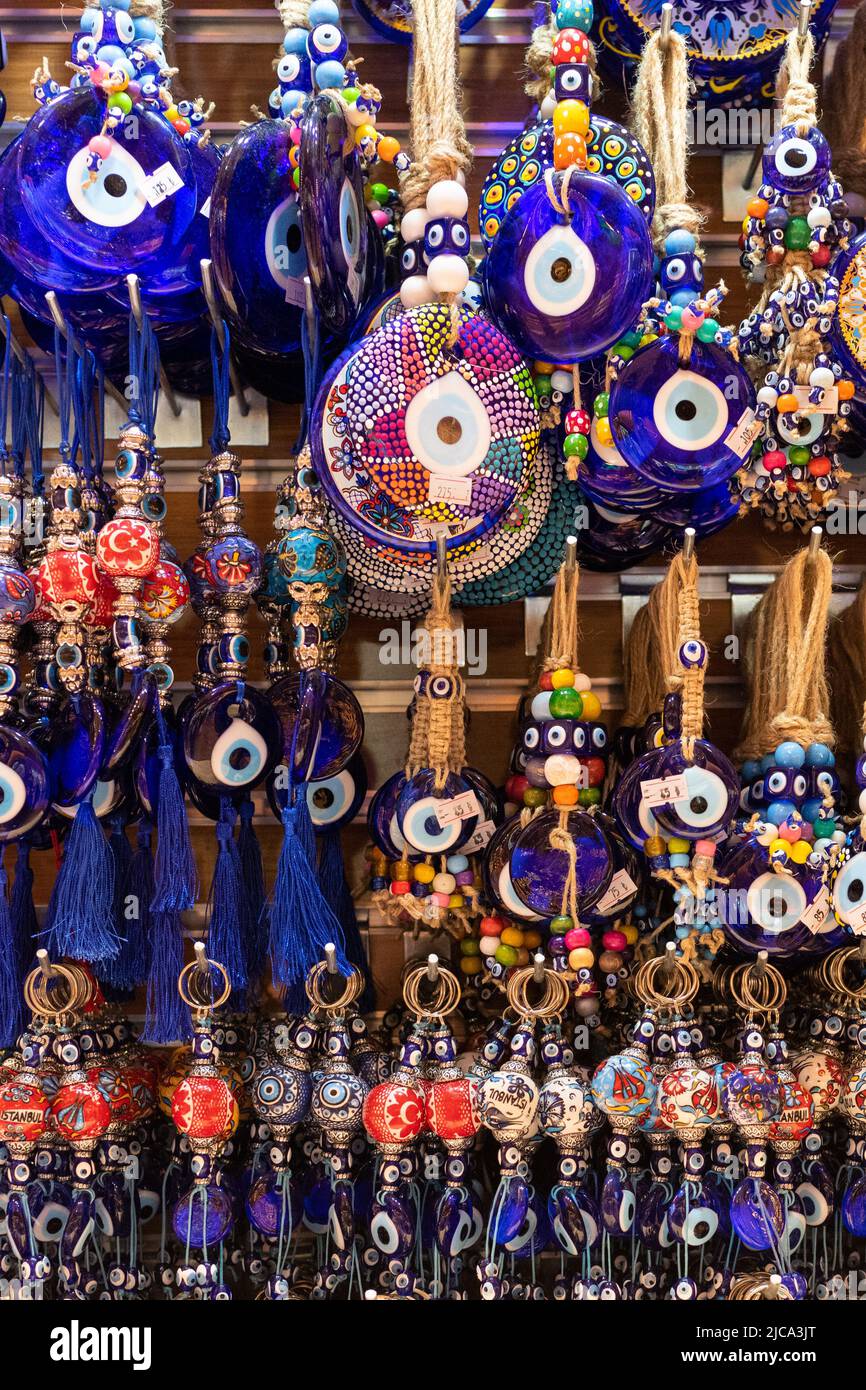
(394, 1113)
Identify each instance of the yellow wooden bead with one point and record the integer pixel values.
(581, 958)
(571, 117)
(603, 432)
(799, 851)
(471, 965)
(560, 679)
(365, 132)
(424, 873)
(455, 900)
(780, 847)
(678, 846)
(591, 705)
(630, 932)
(512, 936)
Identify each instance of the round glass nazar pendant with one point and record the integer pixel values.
(566, 284)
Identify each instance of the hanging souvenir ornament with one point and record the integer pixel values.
(571, 264)
(780, 868)
(793, 228)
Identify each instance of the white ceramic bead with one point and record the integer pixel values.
(861, 801)
(488, 945)
(448, 274)
(415, 290)
(413, 224)
(582, 682)
(541, 705)
(562, 770)
(561, 381)
(447, 199)
(768, 395)
(444, 883)
(548, 106)
(823, 377)
(819, 217)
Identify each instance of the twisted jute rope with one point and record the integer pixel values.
(141, 9)
(688, 679)
(437, 739)
(843, 119)
(785, 659)
(651, 667)
(847, 656)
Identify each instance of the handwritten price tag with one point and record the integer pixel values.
(857, 920)
(662, 791)
(747, 429)
(163, 183)
(205, 208)
(482, 836)
(816, 914)
(458, 808)
(456, 490)
(621, 887)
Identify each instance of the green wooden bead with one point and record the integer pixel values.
(824, 828)
(797, 234)
(566, 703)
(506, 955)
(589, 796)
(575, 445)
(798, 455)
(601, 405)
(674, 319)
(707, 331)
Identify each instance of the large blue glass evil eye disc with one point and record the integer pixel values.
(677, 425)
(284, 244)
(565, 288)
(23, 785)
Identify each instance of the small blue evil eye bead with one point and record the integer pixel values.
(573, 80)
(293, 70)
(767, 762)
(323, 12)
(413, 260)
(789, 754)
(330, 75)
(295, 41)
(693, 655)
(778, 811)
(446, 236)
(795, 163)
(327, 41)
(819, 755)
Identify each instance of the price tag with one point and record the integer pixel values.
(621, 887)
(458, 808)
(662, 791)
(747, 429)
(856, 919)
(479, 837)
(827, 405)
(816, 914)
(163, 183)
(205, 208)
(295, 292)
(456, 490)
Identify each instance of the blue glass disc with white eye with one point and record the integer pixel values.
(274, 1204)
(421, 810)
(382, 822)
(539, 871)
(708, 511)
(712, 792)
(676, 425)
(321, 722)
(497, 871)
(74, 743)
(636, 820)
(566, 288)
(332, 801)
(231, 739)
(256, 239)
(763, 910)
(338, 232)
(611, 539)
(24, 784)
(203, 1216)
(848, 884)
(113, 217)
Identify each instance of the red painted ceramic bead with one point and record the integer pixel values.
(394, 1113)
(165, 595)
(66, 576)
(204, 1107)
(80, 1111)
(23, 1112)
(116, 1089)
(127, 547)
(452, 1108)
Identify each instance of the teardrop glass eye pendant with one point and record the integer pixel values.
(566, 284)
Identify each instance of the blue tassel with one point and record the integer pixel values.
(11, 1000)
(227, 916)
(132, 912)
(25, 924)
(254, 896)
(81, 909)
(116, 971)
(301, 921)
(338, 896)
(167, 1018)
(175, 872)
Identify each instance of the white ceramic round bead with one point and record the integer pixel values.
(541, 705)
(447, 198)
(448, 274)
(413, 224)
(415, 290)
(548, 106)
(444, 883)
(582, 682)
(488, 945)
(561, 381)
(823, 377)
(861, 801)
(768, 395)
(562, 770)
(819, 217)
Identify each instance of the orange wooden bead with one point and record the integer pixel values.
(845, 389)
(389, 148)
(568, 150)
(571, 117)
(565, 796)
(787, 403)
(757, 207)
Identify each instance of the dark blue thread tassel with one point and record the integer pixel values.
(81, 909)
(11, 1005)
(226, 914)
(132, 910)
(115, 972)
(25, 923)
(301, 921)
(175, 873)
(167, 1019)
(338, 896)
(254, 895)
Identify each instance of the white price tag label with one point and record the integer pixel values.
(747, 429)
(827, 405)
(457, 808)
(621, 887)
(205, 208)
(662, 791)
(163, 183)
(856, 920)
(479, 837)
(295, 292)
(456, 490)
(815, 915)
